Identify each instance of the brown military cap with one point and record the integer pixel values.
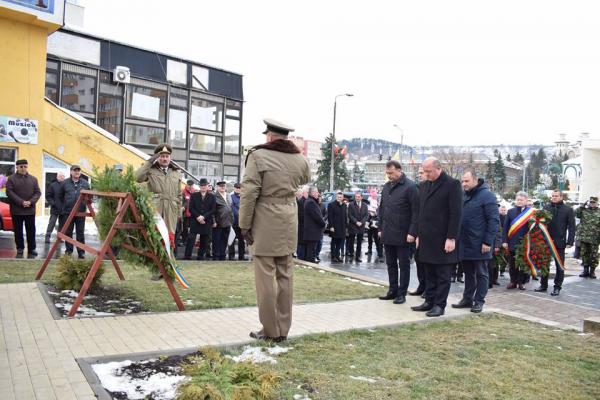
(163, 148)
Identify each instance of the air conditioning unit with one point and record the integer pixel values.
(121, 74)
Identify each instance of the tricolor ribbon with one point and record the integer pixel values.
(520, 221)
(540, 223)
(164, 233)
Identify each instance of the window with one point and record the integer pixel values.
(199, 77)
(110, 105)
(232, 136)
(204, 169)
(146, 103)
(177, 72)
(51, 91)
(74, 89)
(230, 173)
(144, 134)
(177, 127)
(207, 114)
(8, 158)
(205, 143)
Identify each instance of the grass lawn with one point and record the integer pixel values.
(213, 284)
(483, 357)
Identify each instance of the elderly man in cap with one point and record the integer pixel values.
(223, 222)
(268, 219)
(163, 178)
(203, 205)
(68, 195)
(23, 192)
(589, 236)
(235, 205)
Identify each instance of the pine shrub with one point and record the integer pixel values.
(71, 273)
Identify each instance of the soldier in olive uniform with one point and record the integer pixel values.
(163, 178)
(589, 235)
(268, 220)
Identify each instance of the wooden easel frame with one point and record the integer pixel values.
(126, 202)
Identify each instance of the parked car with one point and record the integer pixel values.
(6, 223)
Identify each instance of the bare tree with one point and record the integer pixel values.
(454, 160)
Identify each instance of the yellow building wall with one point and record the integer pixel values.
(22, 84)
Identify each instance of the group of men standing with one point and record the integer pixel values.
(23, 192)
(204, 213)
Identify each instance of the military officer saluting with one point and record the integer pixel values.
(268, 220)
(164, 180)
(589, 236)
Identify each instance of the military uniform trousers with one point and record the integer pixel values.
(589, 254)
(273, 278)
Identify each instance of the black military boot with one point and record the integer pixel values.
(593, 273)
(585, 273)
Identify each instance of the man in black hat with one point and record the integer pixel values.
(235, 205)
(202, 210)
(223, 222)
(163, 178)
(23, 192)
(68, 195)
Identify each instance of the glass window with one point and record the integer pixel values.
(177, 127)
(52, 93)
(205, 169)
(110, 113)
(8, 157)
(144, 134)
(199, 77)
(205, 143)
(179, 98)
(234, 108)
(177, 72)
(73, 92)
(232, 136)
(207, 114)
(146, 103)
(230, 170)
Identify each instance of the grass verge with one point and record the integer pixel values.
(213, 284)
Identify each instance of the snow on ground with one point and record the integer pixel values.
(160, 386)
(362, 282)
(260, 354)
(363, 378)
(82, 310)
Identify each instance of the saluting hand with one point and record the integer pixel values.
(450, 245)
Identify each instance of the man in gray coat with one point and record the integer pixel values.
(223, 222)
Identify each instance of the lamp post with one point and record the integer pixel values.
(401, 141)
(331, 171)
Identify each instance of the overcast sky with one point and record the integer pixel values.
(446, 72)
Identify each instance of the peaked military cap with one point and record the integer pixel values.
(277, 127)
(594, 199)
(163, 148)
(221, 183)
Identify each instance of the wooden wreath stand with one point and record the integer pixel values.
(126, 202)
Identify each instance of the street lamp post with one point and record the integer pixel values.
(401, 141)
(331, 170)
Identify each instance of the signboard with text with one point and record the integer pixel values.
(17, 130)
(51, 11)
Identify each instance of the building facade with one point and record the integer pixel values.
(144, 98)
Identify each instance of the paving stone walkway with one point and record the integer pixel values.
(37, 353)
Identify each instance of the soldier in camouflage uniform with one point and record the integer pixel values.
(589, 235)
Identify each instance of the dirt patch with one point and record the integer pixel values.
(104, 301)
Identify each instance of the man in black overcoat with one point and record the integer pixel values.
(301, 246)
(203, 205)
(398, 218)
(440, 212)
(358, 214)
(314, 224)
(337, 216)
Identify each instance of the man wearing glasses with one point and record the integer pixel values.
(23, 192)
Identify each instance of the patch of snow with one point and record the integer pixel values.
(321, 271)
(559, 347)
(350, 345)
(233, 296)
(353, 367)
(159, 386)
(189, 302)
(301, 397)
(372, 330)
(528, 346)
(493, 334)
(258, 355)
(362, 282)
(363, 378)
(70, 293)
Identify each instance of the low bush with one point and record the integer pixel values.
(71, 273)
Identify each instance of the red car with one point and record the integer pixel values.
(6, 223)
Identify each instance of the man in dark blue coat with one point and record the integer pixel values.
(398, 214)
(314, 223)
(68, 194)
(440, 208)
(518, 278)
(301, 246)
(203, 205)
(478, 231)
(562, 232)
(235, 206)
(358, 214)
(337, 217)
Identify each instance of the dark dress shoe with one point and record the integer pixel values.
(380, 259)
(389, 296)
(423, 307)
(463, 303)
(400, 300)
(81, 257)
(540, 289)
(261, 336)
(436, 311)
(368, 253)
(477, 308)
(520, 286)
(415, 293)
(511, 286)
(555, 292)
(19, 252)
(496, 283)
(358, 259)
(47, 240)
(32, 253)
